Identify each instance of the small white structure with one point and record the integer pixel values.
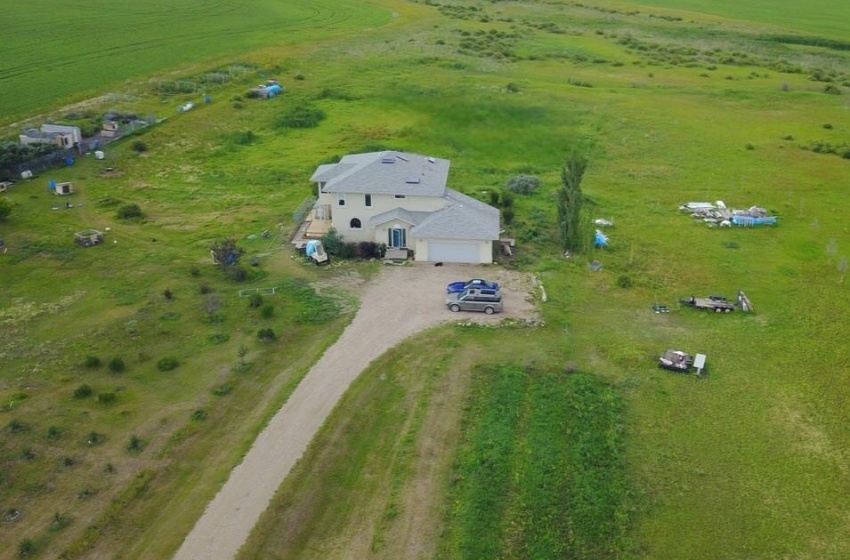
(699, 364)
(98, 154)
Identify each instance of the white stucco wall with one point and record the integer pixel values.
(355, 207)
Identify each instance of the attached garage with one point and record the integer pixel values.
(454, 252)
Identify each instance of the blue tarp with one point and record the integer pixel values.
(599, 239)
(312, 247)
(740, 220)
(273, 90)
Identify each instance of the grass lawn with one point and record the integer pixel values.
(670, 107)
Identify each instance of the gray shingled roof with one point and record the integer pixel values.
(464, 218)
(385, 173)
(412, 218)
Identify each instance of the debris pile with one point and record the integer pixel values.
(719, 215)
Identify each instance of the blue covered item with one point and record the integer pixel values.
(742, 220)
(273, 90)
(600, 239)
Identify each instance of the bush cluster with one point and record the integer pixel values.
(523, 184)
(167, 364)
(301, 116)
(129, 211)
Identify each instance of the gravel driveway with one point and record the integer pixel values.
(397, 303)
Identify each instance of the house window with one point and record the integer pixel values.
(368, 200)
(355, 223)
(401, 196)
(340, 199)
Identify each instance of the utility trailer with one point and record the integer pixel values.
(718, 304)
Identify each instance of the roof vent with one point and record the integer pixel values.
(401, 157)
(388, 159)
(432, 160)
(412, 179)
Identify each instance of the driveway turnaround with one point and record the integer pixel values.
(398, 303)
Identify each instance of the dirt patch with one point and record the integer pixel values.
(399, 302)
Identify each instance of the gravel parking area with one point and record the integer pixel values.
(399, 302)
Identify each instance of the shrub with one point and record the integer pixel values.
(266, 335)
(267, 312)
(508, 215)
(26, 548)
(130, 211)
(298, 77)
(512, 88)
(624, 281)
(204, 288)
(301, 116)
(135, 443)
(223, 389)
(199, 414)
(139, 146)
(347, 250)
(255, 301)
(219, 338)
(116, 364)
(828, 126)
(82, 391)
(244, 138)
(94, 438)
(832, 89)
(506, 199)
(750, 146)
(368, 250)
(92, 362)
(16, 426)
(523, 184)
(167, 364)
(107, 398)
(332, 241)
(168, 294)
(238, 105)
(194, 271)
(237, 273)
(5, 208)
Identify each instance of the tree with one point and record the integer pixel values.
(570, 202)
(5, 208)
(226, 253)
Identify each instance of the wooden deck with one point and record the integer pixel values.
(311, 228)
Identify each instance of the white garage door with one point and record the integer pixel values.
(445, 251)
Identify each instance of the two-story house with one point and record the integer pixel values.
(402, 200)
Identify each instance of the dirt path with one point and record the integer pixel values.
(399, 302)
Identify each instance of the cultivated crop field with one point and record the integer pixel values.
(464, 441)
(73, 49)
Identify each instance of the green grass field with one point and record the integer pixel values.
(670, 105)
(72, 50)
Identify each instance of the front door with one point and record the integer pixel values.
(397, 237)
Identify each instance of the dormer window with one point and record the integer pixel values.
(367, 202)
(340, 199)
(401, 196)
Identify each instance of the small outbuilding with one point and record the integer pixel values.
(88, 238)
